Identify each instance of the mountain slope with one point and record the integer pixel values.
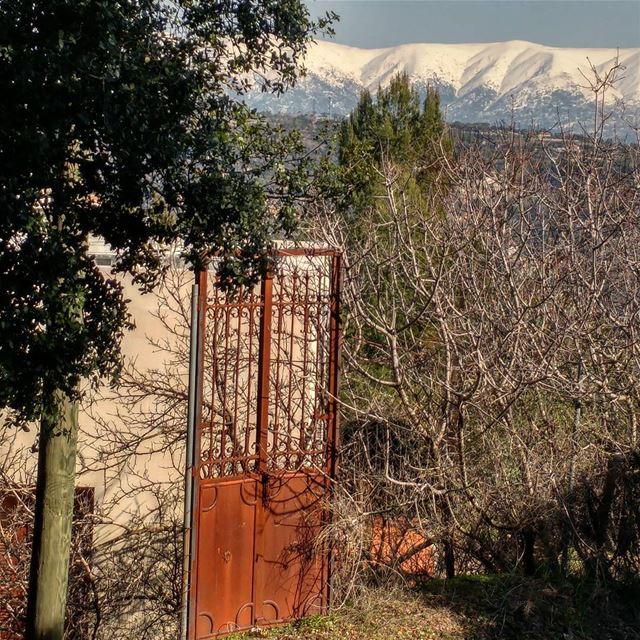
(477, 82)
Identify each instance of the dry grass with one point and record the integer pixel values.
(476, 608)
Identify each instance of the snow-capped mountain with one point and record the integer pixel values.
(477, 82)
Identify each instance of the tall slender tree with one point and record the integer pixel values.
(123, 119)
(397, 126)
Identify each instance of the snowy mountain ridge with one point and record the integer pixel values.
(477, 82)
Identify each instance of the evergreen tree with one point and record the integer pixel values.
(397, 127)
(389, 201)
(395, 142)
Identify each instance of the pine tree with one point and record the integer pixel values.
(396, 127)
(390, 160)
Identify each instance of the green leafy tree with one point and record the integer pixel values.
(396, 127)
(123, 119)
(398, 133)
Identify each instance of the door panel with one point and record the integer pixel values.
(225, 579)
(290, 568)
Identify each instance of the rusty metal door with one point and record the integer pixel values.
(265, 447)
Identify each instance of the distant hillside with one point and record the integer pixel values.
(318, 131)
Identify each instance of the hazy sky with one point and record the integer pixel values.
(566, 23)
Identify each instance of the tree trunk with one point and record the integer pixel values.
(49, 575)
(529, 559)
(449, 559)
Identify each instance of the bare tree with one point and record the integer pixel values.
(492, 351)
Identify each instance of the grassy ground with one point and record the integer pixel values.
(477, 608)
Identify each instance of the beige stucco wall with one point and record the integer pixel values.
(119, 493)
